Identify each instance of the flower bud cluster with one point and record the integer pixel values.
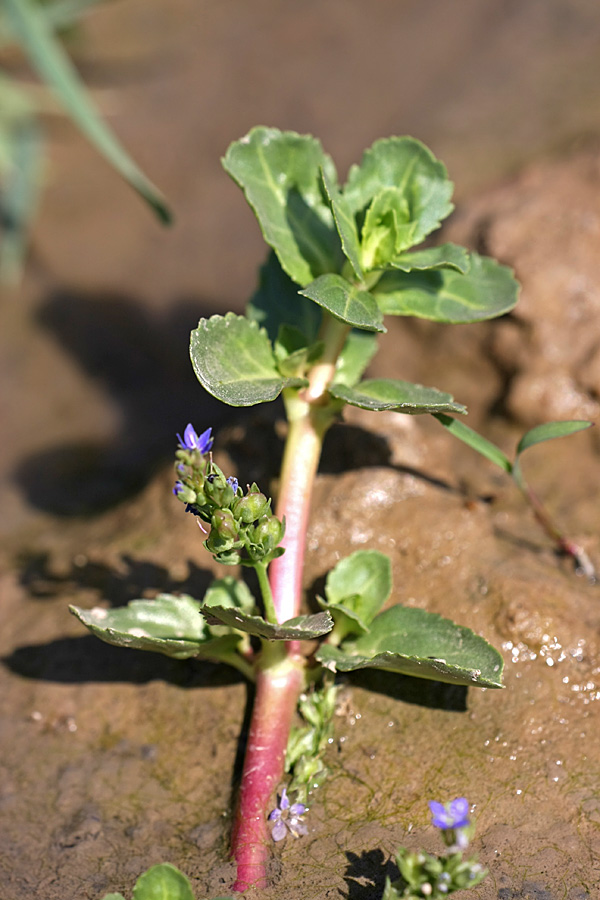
(242, 526)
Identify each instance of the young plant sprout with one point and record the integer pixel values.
(341, 259)
(436, 877)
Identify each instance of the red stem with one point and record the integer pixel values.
(277, 690)
(281, 668)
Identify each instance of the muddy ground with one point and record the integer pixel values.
(114, 760)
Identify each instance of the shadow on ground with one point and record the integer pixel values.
(138, 358)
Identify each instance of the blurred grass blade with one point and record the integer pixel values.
(47, 56)
(18, 195)
(21, 157)
(59, 15)
(549, 431)
(475, 441)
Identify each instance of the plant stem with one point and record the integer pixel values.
(265, 590)
(310, 413)
(564, 544)
(281, 669)
(277, 689)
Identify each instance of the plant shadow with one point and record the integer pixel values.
(82, 659)
(366, 873)
(138, 359)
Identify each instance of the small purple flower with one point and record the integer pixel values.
(450, 815)
(234, 483)
(179, 486)
(286, 818)
(193, 441)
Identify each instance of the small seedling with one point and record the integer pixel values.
(341, 259)
(436, 877)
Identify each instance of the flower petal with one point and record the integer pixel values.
(296, 827)
(279, 830)
(297, 809)
(190, 438)
(459, 812)
(204, 442)
(440, 815)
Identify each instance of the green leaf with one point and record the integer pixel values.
(408, 166)
(366, 575)
(29, 24)
(358, 587)
(446, 256)
(387, 228)
(346, 302)
(301, 628)
(475, 441)
(400, 396)
(234, 361)
(113, 897)
(549, 431)
(168, 624)
(346, 619)
(163, 882)
(486, 291)
(277, 302)
(415, 642)
(280, 174)
(230, 591)
(345, 224)
(357, 353)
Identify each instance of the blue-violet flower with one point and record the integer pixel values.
(286, 818)
(450, 815)
(234, 483)
(193, 441)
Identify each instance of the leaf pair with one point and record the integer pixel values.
(546, 432)
(181, 627)
(401, 639)
(235, 361)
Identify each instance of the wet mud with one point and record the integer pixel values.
(114, 760)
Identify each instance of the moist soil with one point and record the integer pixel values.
(114, 760)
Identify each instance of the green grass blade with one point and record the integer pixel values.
(18, 197)
(475, 441)
(550, 430)
(47, 56)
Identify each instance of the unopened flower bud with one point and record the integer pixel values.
(184, 493)
(251, 507)
(268, 533)
(223, 533)
(218, 490)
